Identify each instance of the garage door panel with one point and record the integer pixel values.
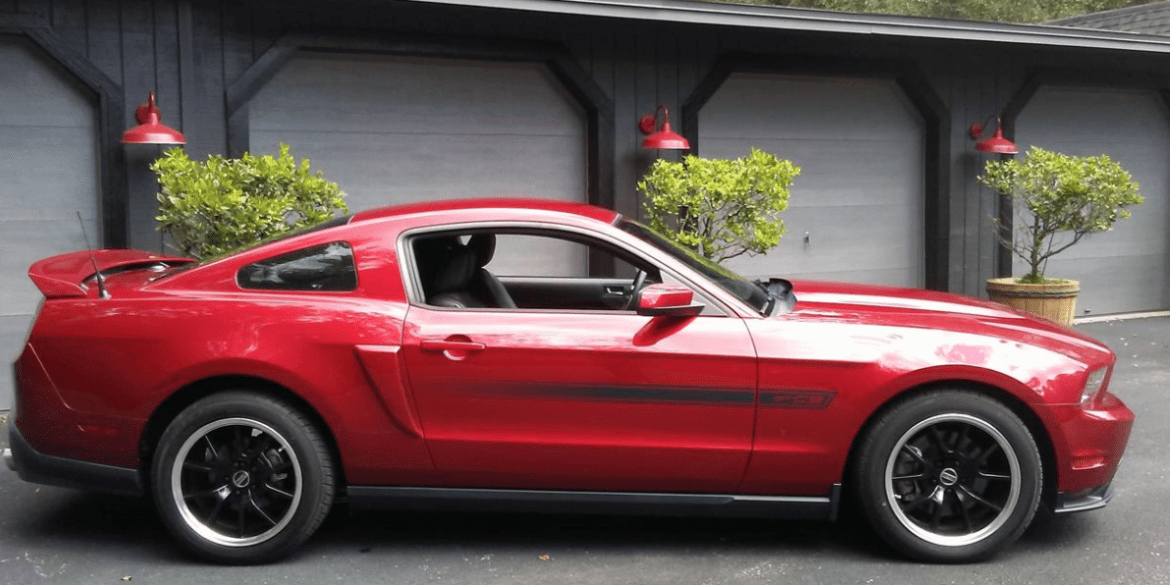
(1124, 269)
(796, 108)
(50, 98)
(1142, 283)
(841, 241)
(371, 94)
(47, 169)
(859, 195)
(432, 167)
(821, 181)
(401, 129)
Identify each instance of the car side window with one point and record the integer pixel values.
(328, 267)
(517, 269)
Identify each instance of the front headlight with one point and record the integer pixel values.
(1094, 384)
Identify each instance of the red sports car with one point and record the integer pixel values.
(514, 354)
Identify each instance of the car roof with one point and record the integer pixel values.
(479, 204)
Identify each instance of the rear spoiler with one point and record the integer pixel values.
(62, 276)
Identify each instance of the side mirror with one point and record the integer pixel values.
(667, 299)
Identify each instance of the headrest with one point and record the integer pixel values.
(457, 268)
(484, 246)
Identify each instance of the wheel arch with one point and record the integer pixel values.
(1014, 403)
(187, 395)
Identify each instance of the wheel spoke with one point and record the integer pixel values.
(242, 519)
(914, 453)
(991, 449)
(981, 499)
(936, 436)
(211, 446)
(204, 493)
(994, 476)
(277, 490)
(196, 466)
(256, 507)
(919, 475)
(963, 510)
(936, 518)
(211, 518)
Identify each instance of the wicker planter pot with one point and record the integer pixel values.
(1056, 300)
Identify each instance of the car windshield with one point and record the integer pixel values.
(752, 293)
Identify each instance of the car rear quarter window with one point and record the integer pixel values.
(328, 267)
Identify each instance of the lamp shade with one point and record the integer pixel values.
(150, 129)
(664, 138)
(997, 144)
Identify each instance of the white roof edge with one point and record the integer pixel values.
(781, 18)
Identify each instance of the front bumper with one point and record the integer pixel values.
(36, 467)
(1084, 501)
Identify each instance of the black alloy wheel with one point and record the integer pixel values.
(949, 476)
(242, 478)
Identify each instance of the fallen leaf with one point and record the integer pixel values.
(127, 578)
(543, 557)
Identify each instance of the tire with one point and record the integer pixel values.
(240, 478)
(950, 476)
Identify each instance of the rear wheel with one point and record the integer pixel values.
(240, 477)
(949, 476)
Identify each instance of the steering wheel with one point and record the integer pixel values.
(639, 280)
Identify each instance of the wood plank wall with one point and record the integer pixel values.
(190, 50)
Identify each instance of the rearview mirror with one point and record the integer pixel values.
(667, 299)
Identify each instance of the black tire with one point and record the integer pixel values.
(950, 476)
(240, 478)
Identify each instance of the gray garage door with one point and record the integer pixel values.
(856, 211)
(49, 166)
(395, 129)
(1127, 269)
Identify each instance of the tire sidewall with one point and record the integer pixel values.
(314, 469)
(884, 435)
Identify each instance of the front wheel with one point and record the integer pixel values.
(949, 476)
(240, 477)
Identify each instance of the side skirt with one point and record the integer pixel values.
(569, 502)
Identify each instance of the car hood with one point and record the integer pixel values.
(921, 309)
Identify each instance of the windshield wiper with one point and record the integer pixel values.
(769, 293)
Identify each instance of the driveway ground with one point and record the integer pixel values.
(51, 535)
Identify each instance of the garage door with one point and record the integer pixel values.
(394, 130)
(1127, 269)
(856, 211)
(49, 166)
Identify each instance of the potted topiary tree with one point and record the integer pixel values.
(720, 208)
(1058, 199)
(213, 207)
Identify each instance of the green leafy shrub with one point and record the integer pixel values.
(1057, 193)
(720, 208)
(213, 207)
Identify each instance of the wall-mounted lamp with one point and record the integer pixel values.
(661, 138)
(150, 129)
(997, 144)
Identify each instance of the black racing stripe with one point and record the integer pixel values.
(797, 399)
(641, 394)
(656, 394)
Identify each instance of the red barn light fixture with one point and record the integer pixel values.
(997, 144)
(662, 138)
(150, 129)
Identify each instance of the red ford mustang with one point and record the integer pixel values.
(539, 355)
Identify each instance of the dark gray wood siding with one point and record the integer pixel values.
(192, 51)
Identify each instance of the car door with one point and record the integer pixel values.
(581, 399)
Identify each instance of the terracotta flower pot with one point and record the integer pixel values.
(1055, 300)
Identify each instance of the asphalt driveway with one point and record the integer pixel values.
(51, 535)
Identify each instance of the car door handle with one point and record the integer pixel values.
(451, 345)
